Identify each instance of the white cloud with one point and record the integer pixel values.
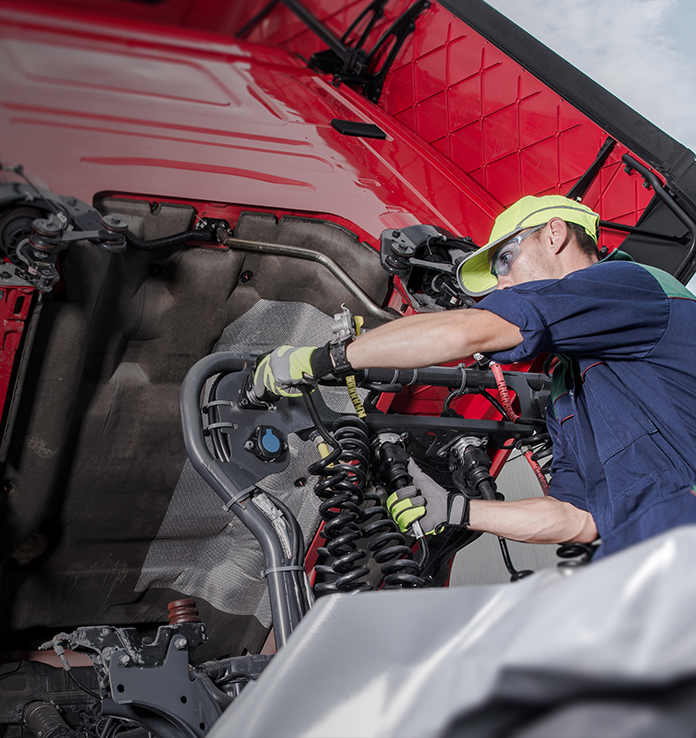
(630, 47)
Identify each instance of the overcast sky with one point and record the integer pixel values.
(643, 51)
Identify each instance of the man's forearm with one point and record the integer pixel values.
(431, 338)
(534, 520)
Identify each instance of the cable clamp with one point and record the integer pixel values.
(276, 569)
(223, 424)
(415, 378)
(214, 403)
(238, 498)
(462, 386)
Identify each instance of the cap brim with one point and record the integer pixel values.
(474, 273)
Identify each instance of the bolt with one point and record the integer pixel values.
(105, 631)
(124, 660)
(114, 223)
(46, 226)
(180, 643)
(396, 234)
(249, 445)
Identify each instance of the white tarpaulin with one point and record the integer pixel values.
(416, 663)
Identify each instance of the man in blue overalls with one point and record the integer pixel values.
(623, 416)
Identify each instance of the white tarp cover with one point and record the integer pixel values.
(412, 663)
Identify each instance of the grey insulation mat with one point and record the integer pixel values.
(204, 551)
(599, 644)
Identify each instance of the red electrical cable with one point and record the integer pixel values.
(503, 391)
(512, 415)
(537, 472)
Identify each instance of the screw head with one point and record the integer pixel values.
(248, 445)
(46, 227)
(180, 643)
(114, 223)
(124, 660)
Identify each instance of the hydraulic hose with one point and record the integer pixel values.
(177, 239)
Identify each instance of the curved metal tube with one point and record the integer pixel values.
(284, 605)
(299, 252)
(658, 189)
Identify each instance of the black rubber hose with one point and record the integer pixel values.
(178, 239)
(45, 721)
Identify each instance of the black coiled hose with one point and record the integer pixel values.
(341, 488)
(388, 546)
(575, 554)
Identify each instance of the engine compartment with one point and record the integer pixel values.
(100, 410)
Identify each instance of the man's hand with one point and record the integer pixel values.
(281, 371)
(427, 502)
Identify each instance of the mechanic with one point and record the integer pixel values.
(623, 410)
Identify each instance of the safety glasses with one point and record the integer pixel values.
(506, 255)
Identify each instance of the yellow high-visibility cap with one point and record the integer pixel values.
(474, 273)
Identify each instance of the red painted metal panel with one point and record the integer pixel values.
(15, 303)
(486, 114)
(125, 107)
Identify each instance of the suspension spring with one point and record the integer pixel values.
(341, 488)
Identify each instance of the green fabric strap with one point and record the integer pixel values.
(566, 375)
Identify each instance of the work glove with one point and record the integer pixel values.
(281, 371)
(428, 503)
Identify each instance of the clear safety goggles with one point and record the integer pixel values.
(506, 255)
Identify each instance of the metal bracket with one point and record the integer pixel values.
(355, 66)
(346, 58)
(167, 691)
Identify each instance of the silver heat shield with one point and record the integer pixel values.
(205, 552)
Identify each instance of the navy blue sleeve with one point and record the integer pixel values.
(609, 310)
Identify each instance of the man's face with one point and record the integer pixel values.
(522, 259)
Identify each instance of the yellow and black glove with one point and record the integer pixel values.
(283, 370)
(428, 503)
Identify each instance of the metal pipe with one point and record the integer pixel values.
(283, 608)
(299, 252)
(659, 190)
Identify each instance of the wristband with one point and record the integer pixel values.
(341, 365)
(458, 510)
(320, 362)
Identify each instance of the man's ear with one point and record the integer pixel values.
(557, 234)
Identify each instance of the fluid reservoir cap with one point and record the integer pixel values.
(266, 442)
(270, 441)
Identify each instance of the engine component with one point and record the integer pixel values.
(472, 476)
(266, 443)
(426, 259)
(149, 682)
(45, 721)
(183, 611)
(388, 545)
